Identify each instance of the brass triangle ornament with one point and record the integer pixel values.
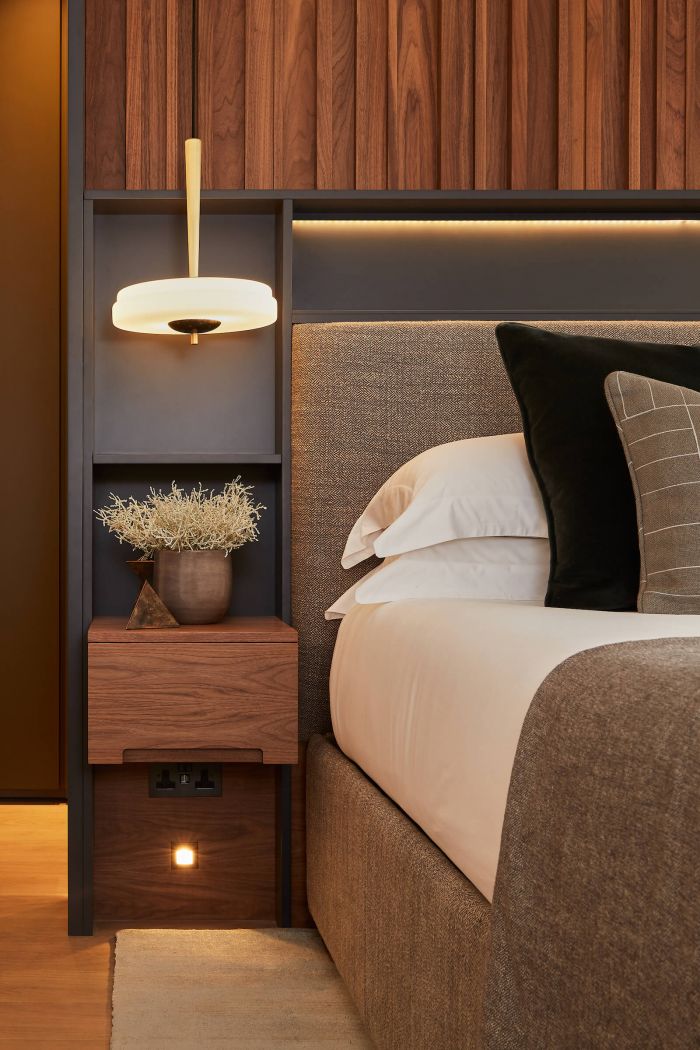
(150, 611)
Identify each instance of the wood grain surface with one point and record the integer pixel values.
(335, 93)
(232, 630)
(413, 118)
(398, 94)
(572, 95)
(105, 94)
(671, 89)
(146, 93)
(534, 42)
(295, 94)
(221, 93)
(457, 94)
(491, 95)
(190, 695)
(371, 94)
(234, 833)
(178, 89)
(259, 94)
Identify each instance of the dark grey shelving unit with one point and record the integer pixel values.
(319, 274)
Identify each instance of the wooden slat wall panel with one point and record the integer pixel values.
(607, 51)
(259, 94)
(572, 94)
(398, 94)
(534, 94)
(335, 94)
(105, 98)
(146, 91)
(221, 94)
(178, 79)
(692, 95)
(492, 95)
(457, 94)
(371, 94)
(412, 137)
(295, 94)
(670, 94)
(642, 95)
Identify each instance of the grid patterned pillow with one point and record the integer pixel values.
(659, 426)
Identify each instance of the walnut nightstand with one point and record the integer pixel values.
(222, 693)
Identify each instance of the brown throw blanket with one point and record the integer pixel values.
(596, 913)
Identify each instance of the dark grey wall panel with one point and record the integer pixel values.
(157, 393)
(496, 268)
(114, 585)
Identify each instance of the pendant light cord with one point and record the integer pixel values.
(195, 64)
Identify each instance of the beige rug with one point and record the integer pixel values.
(247, 989)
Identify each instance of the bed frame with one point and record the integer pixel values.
(408, 932)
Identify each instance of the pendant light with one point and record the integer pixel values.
(194, 305)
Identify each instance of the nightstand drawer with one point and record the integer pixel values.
(170, 696)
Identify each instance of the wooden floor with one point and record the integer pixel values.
(55, 990)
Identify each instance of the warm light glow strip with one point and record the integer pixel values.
(496, 222)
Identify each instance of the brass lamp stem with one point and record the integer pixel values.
(193, 182)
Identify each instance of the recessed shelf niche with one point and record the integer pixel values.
(254, 584)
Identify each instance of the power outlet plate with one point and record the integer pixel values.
(185, 780)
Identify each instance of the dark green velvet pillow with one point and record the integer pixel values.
(577, 457)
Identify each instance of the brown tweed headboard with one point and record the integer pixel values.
(365, 398)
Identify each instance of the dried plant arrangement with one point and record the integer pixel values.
(199, 520)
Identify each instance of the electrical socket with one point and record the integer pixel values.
(185, 780)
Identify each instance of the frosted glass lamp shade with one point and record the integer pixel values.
(195, 306)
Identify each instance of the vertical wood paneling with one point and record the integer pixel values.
(692, 97)
(457, 94)
(413, 131)
(399, 94)
(259, 94)
(105, 94)
(146, 90)
(335, 94)
(534, 94)
(221, 103)
(572, 94)
(178, 76)
(642, 95)
(492, 95)
(607, 111)
(295, 94)
(670, 94)
(371, 94)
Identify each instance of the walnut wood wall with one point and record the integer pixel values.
(397, 94)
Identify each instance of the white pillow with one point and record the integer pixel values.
(493, 568)
(476, 487)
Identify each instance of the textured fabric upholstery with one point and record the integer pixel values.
(407, 931)
(596, 909)
(659, 426)
(365, 398)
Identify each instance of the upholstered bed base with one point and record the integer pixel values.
(407, 931)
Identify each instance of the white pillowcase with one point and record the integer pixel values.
(493, 568)
(464, 489)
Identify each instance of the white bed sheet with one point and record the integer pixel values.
(429, 697)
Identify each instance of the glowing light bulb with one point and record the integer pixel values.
(184, 856)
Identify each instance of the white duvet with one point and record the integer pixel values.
(429, 697)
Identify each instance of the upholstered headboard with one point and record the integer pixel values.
(365, 398)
